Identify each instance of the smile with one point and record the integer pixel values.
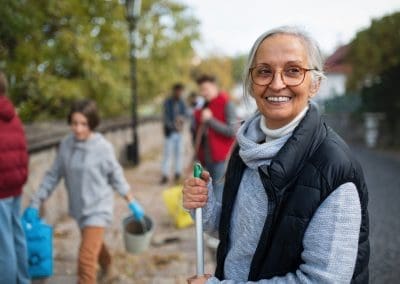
(278, 99)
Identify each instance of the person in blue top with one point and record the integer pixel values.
(87, 163)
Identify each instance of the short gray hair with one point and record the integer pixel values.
(315, 58)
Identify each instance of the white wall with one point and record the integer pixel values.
(333, 85)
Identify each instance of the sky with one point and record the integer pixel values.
(230, 27)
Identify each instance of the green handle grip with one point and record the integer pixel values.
(197, 170)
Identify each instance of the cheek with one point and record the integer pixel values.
(257, 91)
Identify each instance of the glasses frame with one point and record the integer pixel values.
(280, 72)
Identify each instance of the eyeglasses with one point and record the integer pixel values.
(291, 76)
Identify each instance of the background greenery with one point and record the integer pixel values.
(57, 51)
(375, 58)
(54, 52)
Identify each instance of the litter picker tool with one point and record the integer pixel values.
(197, 170)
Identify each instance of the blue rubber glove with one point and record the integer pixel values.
(31, 215)
(136, 209)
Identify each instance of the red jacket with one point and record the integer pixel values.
(219, 144)
(13, 151)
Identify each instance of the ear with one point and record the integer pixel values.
(314, 88)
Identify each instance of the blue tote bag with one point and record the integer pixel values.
(39, 239)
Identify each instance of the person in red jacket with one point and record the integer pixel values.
(215, 130)
(13, 175)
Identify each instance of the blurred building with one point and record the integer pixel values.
(336, 71)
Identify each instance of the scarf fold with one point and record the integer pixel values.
(259, 144)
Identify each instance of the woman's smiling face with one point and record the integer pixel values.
(277, 102)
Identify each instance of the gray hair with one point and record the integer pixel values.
(315, 58)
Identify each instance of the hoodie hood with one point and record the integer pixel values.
(7, 111)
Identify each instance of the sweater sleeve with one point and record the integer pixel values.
(330, 242)
(225, 128)
(49, 182)
(115, 173)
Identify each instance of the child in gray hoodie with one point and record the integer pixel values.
(87, 162)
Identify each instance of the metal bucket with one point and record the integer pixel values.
(137, 234)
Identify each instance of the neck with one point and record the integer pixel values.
(272, 134)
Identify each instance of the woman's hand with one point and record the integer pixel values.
(206, 115)
(198, 279)
(195, 191)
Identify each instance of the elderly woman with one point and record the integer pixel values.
(294, 207)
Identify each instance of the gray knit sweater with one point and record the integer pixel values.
(90, 171)
(330, 241)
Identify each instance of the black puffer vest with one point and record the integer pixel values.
(313, 163)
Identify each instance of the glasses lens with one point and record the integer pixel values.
(293, 75)
(262, 75)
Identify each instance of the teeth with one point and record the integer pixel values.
(278, 99)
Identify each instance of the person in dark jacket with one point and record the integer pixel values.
(294, 207)
(174, 115)
(13, 175)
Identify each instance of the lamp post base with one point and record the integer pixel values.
(132, 152)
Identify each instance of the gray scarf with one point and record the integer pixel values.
(254, 151)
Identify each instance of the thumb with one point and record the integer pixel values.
(205, 175)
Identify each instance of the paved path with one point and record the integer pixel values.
(382, 173)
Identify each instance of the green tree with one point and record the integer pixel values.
(238, 65)
(375, 59)
(218, 66)
(57, 51)
(167, 31)
(383, 96)
(374, 50)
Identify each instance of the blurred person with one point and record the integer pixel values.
(87, 162)
(294, 207)
(195, 103)
(13, 175)
(174, 115)
(215, 130)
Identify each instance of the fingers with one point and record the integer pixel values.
(195, 193)
(198, 279)
(205, 176)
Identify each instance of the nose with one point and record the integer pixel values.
(277, 82)
(77, 129)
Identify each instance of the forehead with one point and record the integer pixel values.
(280, 49)
(207, 84)
(79, 117)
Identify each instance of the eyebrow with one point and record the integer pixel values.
(294, 62)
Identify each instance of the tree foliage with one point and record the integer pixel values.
(375, 59)
(238, 65)
(374, 50)
(218, 66)
(57, 51)
(383, 96)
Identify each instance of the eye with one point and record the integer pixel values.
(293, 71)
(263, 71)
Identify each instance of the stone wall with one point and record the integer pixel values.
(40, 161)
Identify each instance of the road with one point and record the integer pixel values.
(382, 174)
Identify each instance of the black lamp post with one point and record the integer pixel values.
(133, 12)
